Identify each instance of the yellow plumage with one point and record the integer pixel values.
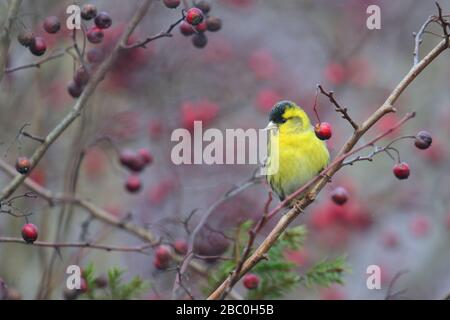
(296, 155)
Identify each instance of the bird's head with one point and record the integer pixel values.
(286, 116)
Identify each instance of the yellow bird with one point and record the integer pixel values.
(295, 154)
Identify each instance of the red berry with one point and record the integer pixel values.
(186, 29)
(401, 170)
(52, 24)
(323, 130)
(74, 89)
(81, 76)
(251, 281)
(103, 20)
(88, 11)
(133, 184)
(201, 27)
(423, 140)
(199, 40)
(213, 24)
(194, 16)
(26, 38)
(132, 161)
(180, 246)
(38, 47)
(145, 156)
(420, 226)
(29, 232)
(203, 5)
(23, 165)
(161, 265)
(172, 4)
(162, 253)
(95, 35)
(339, 195)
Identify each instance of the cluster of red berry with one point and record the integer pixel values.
(37, 44)
(197, 21)
(135, 162)
(163, 253)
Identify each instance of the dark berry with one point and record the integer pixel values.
(186, 29)
(161, 265)
(199, 40)
(132, 161)
(38, 47)
(95, 55)
(323, 130)
(251, 281)
(203, 5)
(145, 156)
(133, 184)
(95, 35)
(81, 76)
(423, 140)
(180, 246)
(52, 24)
(201, 27)
(88, 11)
(172, 4)
(23, 165)
(339, 196)
(194, 16)
(213, 24)
(29, 232)
(103, 20)
(401, 170)
(26, 38)
(74, 89)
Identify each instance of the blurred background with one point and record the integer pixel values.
(266, 51)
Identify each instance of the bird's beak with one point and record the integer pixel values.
(271, 126)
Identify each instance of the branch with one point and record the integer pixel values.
(338, 107)
(96, 78)
(418, 38)
(95, 211)
(320, 181)
(87, 245)
(5, 34)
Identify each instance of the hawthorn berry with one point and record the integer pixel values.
(74, 89)
(201, 27)
(133, 184)
(94, 35)
(339, 195)
(171, 4)
(180, 246)
(199, 40)
(194, 16)
(38, 47)
(161, 265)
(203, 5)
(145, 156)
(423, 140)
(251, 281)
(323, 130)
(186, 29)
(103, 20)
(401, 170)
(213, 24)
(88, 11)
(23, 165)
(81, 76)
(52, 24)
(26, 38)
(29, 233)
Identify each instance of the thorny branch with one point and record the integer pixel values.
(340, 109)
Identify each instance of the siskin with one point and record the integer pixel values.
(295, 154)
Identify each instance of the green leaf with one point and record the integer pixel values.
(326, 273)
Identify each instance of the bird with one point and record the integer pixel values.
(295, 154)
